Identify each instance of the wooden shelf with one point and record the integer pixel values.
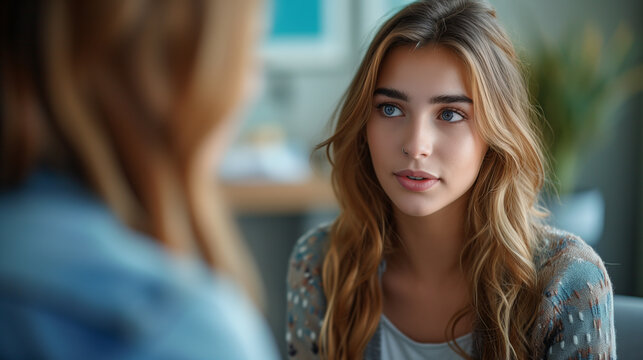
(280, 198)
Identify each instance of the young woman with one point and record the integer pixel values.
(438, 252)
(113, 113)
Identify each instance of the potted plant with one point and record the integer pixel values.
(578, 85)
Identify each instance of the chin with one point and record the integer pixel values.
(416, 210)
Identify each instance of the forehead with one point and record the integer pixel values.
(429, 70)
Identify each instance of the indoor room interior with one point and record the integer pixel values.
(278, 187)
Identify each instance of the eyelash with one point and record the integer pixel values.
(380, 108)
(464, 116)
(459, 112)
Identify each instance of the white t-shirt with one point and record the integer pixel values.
(396, 345)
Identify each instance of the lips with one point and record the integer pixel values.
(416, 181)
(416, 174)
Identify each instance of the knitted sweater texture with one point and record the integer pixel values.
(575, 318)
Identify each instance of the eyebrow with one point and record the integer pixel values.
(440, 99)
(392, 93)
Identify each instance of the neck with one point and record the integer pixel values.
(431, 245)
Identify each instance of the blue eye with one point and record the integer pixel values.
(389, 110)
(450, 116)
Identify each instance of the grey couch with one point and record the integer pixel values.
(628, 321)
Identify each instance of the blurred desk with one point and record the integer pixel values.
(280, 198)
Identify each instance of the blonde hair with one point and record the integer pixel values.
(502, 214)
(125, 94)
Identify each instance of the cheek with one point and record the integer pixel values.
(382, 140)
(375, 142)
(465, 152)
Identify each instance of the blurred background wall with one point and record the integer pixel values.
(311, 54)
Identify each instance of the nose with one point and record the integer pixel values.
(418, 142)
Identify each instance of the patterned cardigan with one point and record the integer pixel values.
(576, 318)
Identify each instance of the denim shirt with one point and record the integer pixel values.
(75, 283)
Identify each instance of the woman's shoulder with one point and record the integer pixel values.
(565, 255)
(305, 267)
(306, 304)
(57, 223)
(310, 248)
(72, 273)
(576, 314)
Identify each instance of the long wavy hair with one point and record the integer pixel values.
(126, 95)
(503, 215)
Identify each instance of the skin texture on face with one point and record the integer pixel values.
(422, 136)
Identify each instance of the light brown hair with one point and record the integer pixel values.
(125, 94)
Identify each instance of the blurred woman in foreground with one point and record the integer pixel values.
(112, 116)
